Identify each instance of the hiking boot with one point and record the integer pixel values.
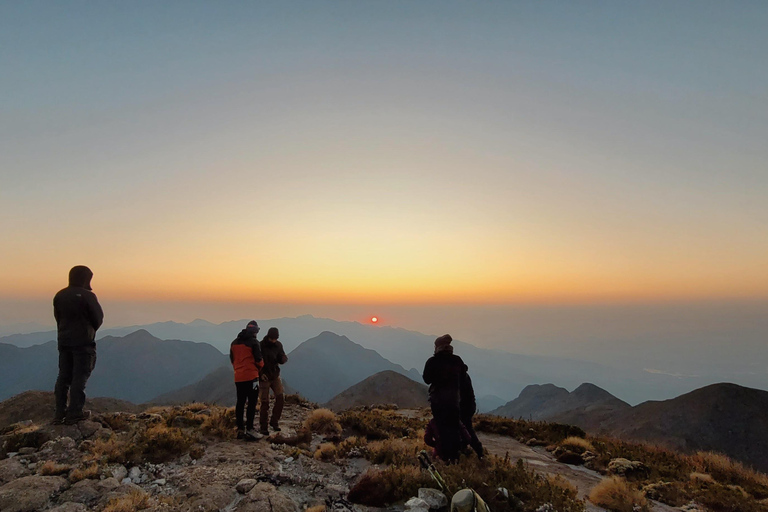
(276, 428)
(240, 434)
(264, 432)
(57, 420)
(71, 420)
(252, 435)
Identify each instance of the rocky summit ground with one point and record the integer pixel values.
(185, 458)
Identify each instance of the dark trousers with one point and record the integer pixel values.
(474, 442)
(75, 366)
(448, 423)
(276, 385)
(247, 391)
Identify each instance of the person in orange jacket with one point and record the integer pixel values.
(245, 355)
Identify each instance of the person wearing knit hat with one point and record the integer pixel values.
(444, 372)
(245, 356)
(274, 356)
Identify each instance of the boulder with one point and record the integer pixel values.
(118, 471)
(265, 497)
(245, 485)
(416, 505)
(434, 498)
(569, 457)
(89, 492)
(29, 493)
(11, 469)
(212, 498)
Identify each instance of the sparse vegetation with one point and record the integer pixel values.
(377, 424)
(221, 423)
(522, 430)
(577, 444)
(84, 473)
(323, 421)
(616, 494)
(51, 468)
(160, 443)
(326, 452)
(135, 500)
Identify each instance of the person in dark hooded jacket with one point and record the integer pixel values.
(78, 316)
(245, 355)
(444, 372)
(467, 409)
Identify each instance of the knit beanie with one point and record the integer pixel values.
(443, 341)
(273, 333)
(252, 327)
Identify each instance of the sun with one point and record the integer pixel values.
(374, 319)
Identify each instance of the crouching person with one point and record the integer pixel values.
(274, 355)
(245, 355)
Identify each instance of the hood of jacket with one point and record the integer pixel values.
(80, 276)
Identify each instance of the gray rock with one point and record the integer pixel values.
(245, 485)
(547, 507)
(433, 498)
(88, 428)
(29, 493)
(265, 497)
(212, 498)
(416, 505)
(159, 481)
(70, 507)
(11, 469)
(119, 472)
(125, 481)
(89, 492)
(135, 474)
(288, 459)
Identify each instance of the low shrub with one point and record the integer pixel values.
(161, 443)
(118, 449)
(323, 421)
(577, 444)
(394, 451)
(326, 452)
(221, 423)
(616, 494)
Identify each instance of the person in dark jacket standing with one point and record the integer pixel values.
(78, 316)
(444, 372)
(274, 355)
(467, 409)
(245, 355)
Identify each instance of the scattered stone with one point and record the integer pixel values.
(416, 505)
(89, 491)
(265, 497)
(126, 481)
(11, 469)
(29, 493)
(159, 481)
(135, 474)
(88, 428)
(70, 507)
(547, 507)
(288, 460)
(119, 472)
(433, 498)
(245, 485)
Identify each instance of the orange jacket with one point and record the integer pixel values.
(245, 355)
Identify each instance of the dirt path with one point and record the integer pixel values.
(543, 462)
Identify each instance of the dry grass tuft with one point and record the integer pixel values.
(701, 477)
(135, 500)
(90, 471)
(577, 444)
(617, 495)
(161, 443)
(221, 423)
(394, 451)
(378, 488)
(50, 468)
(379, 423)
(316, 508)
(323, 421)
(114, 449)
(326, 452)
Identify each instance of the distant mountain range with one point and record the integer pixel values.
(385, 387)
(726, 418)
(494, 372)
(136, 367)
(327, 364)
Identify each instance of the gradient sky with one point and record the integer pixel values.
(398, 152)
